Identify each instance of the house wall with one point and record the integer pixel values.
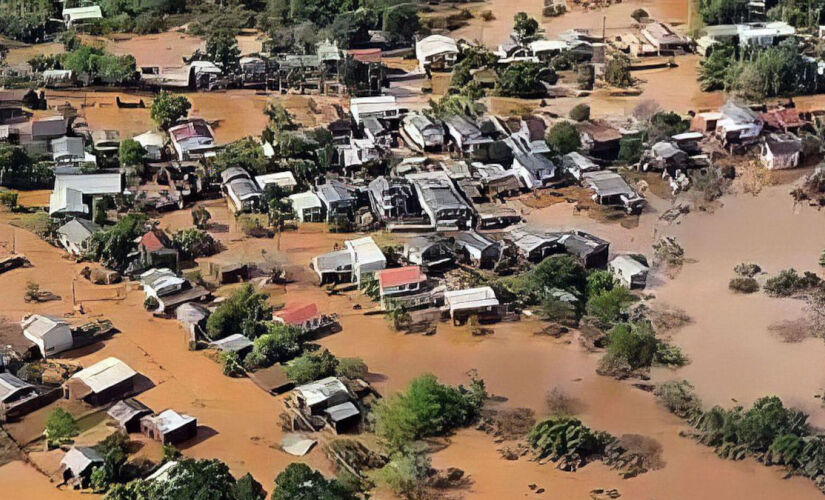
(117, 391)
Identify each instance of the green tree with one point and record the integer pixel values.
(563, 138)
(299, 482)
(280, 343)
(599, 281)
(723, 11)
(193, 243)
(113, 246)
(608, 305)
(312, 366)
(131, 153)
(168, 108)
(562, 272)
(247, 488)
(115, 69)
(633, 343)
(426, 408)
(580, 113)
(222, 49)
(401, 21)
(207, 479)
(525, 28)
(245, 153)
(563, 437)
(617, 71)
(61, 426)
(200, 217)
(134, 490)
(352, 368)
(524, 79)
(244, 305)
(715, 69)
(405, 473)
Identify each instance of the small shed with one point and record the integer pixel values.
(127, 413)
(630, 272)
(77, 464)
(322, 394)
(307, 207)
(233, 343)
(169, 427)
(75, 235)
(780, 151)
(343, 417)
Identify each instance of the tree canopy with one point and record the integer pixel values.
(168, 108)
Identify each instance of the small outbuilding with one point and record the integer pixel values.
(169, 427)
(77, 464)
(127, 413)
(480, 301)
(780, 151)
(630, 272)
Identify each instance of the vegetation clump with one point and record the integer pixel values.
(567, 442)
(743, 284)
(61, 427)
(789, 283)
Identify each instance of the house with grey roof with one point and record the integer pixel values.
(128, 412)
(610, 189)
(75, 235)
(477, 249)
(392, 198)
(465, 136)
(423, 133)
(15, 396)
(336, 199)
(441, 202)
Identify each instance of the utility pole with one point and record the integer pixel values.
(604, 29)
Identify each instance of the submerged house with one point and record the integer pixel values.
(77, 465)
(780, 151)
(429, 251)
(307, 317)
(155, 249)
(128, 412)
(240, 189)
(610, 189)
(738, 125)
(329, 399)
(392, 198)
(534, 171)
(591, 251)
(630, 272)
(307, 207)
(103, 382)
(169, 427)
(75, 235)
(16, 397)
(401, 283)
(600, 140)
(664, 39)
(461, 304)
(73, 190)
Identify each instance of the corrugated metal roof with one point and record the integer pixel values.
(104, 374)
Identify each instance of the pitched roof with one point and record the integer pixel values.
(155, 240)
(233, 343)
(190, 129)
(322, 390)
(39, 325)
(105, 374)
(78, 230)
(79, 458)
(400, 276)
(127, 409)
(297, 314)
(11, 385)
(169, 420)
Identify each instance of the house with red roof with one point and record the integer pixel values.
(399, 283)
(307, 317)
(156, 250)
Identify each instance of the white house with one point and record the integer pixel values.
(52, 335)
(307, 207)
(367, 257)
(381, 107)
(152, 142)
(436, 52)
(285, 180)
(159, 282)
(80, 14)
(470, 300)
(72, 190)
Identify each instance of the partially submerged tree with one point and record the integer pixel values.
(168, 108)
(299, 482)
(563, 138)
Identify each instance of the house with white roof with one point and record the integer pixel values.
(307, 207)
(284, 180)
(358, 258)
(52, 335)
(81, 15)
(169, 427)
(436, 53)
(107, 380)
(383, 107)
(73, 191)
(462, 303)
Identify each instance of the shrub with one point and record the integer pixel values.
(679, 398)
(639, 14)
(609, 305)
(580, 112)
(586, 77)
(559, 403)
(405, 473)
(8, 199)
(280, 343)
(487, 15)
(231, 364)
(352, 368)
(788, 282)
(312, 366)
(563, 138)
(633, 343)
(168, 108)
(617, 72)
(61, 426)
(561, 272)
(600, 281)
(567, 439)
(670, 355)
(744, 285)
(193, 243)
(747, 269)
